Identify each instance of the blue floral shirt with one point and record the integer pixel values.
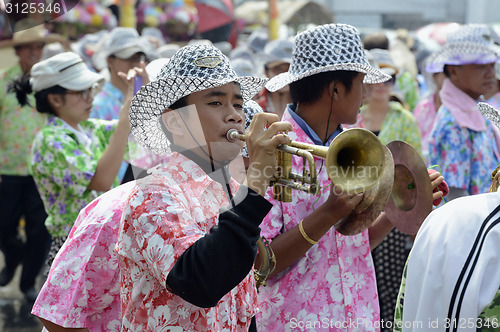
(466, 157)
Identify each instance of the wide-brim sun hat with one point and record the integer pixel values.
(33, 34)
(66, 70)
(328, 47)
(469, 44)
(191, 69)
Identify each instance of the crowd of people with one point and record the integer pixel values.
(142, 213)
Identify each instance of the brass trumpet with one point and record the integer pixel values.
(350, 153)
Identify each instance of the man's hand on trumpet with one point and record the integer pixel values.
(262, 138)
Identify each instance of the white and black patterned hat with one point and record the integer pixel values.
(469, 44)
(490, 113)
(328, 47)
(191, 69)
(250, 108)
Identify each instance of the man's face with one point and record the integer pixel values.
(29, 54)
(350, 101)
(216, 111)
(474, 80)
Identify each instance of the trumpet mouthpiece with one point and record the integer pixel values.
(232, 135)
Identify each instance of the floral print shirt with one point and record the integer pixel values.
(18, 126)
(176, 206)
(399, 124)
(83, 286)
(62, 168)
(466, 157)
(408, 86)
(333, 284)
(425, 112)
(107, 105)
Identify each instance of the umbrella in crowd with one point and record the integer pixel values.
(434, 34)
(216, 19)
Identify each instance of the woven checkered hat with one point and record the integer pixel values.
(191, 69)
(328, 47)
(490, 113)
(250, 108)
(469, 44)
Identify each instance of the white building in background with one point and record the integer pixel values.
(410, 14)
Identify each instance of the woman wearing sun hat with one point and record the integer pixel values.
(462, 142)
(187, 241)
(322, 277)
(451, 281)
(74, 159)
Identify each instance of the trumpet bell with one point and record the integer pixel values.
(411, 198)
(355, 160)
(373, 202)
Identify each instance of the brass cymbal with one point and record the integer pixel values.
(411, 198)
(377, 196)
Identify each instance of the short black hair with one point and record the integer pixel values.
(376, 40)
(22, 89)
(182, 102)
(310, 88)
(446, 71)
(42, 101)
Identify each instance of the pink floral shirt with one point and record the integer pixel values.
(169, 212)
(333, 286)
(83, 289)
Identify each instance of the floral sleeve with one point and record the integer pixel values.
(156, 230)
(450, 148)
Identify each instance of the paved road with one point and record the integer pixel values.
(15, 312)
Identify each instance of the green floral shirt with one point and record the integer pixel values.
(399, 124)
(18, 126)
(488, 320)
(62, 166)
(408, 87)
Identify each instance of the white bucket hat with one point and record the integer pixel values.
(328, 47)
(383, 60)
(469, 44)
(277, 51)
(191, 69)
(66, 70)
(122, 43)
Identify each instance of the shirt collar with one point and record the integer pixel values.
(291, 108)
(80, 136)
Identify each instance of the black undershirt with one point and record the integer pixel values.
(221, 259)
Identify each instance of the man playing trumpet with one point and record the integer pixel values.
(187, 241)
(323, 279)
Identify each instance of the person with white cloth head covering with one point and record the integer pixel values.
(452, 278)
